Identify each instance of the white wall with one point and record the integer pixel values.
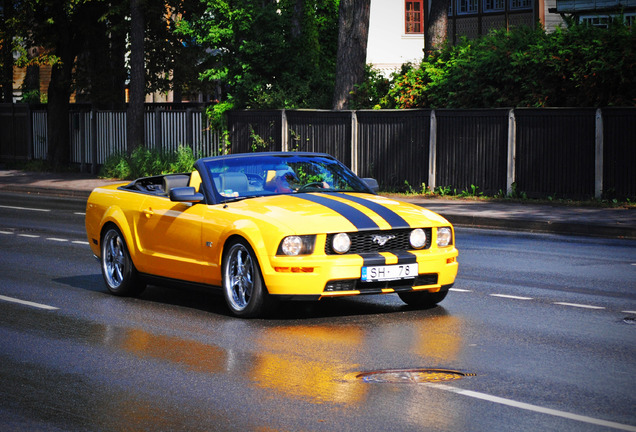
(388, 46)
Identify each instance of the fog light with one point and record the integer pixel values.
(417, 238)
(341, 243)
(444, 237)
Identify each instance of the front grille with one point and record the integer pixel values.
(363, 241)
(376, 287)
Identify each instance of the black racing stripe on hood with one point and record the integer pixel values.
(395, 220)
(353, 215)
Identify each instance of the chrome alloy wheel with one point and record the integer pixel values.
(113, 259)
(239, 277)
(118, 269)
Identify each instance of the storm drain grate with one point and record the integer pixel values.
(411, 376)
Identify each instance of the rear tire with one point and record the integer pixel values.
(118, 270)
(243, 287)
(423, 299)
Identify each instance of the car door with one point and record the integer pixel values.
(169, 236)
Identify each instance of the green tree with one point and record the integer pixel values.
(268, 54)
(85, 42)
(54, 24)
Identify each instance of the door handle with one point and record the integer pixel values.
(148, 212)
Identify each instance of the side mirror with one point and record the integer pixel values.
(185, 194)
(372, 184)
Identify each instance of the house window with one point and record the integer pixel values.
(605, 20)
(494, 5)
(520, 4)
(468, 6)
(596, 21)
(414, 17)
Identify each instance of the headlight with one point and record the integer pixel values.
(341, 243)
(296, 245)
(418, 238)
(444, 237)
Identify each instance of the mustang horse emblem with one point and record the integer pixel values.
(382, 239)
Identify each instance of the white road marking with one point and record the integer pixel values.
(535, 408)
(459, 290)
(61, 240)
(27, 303)
(629, 312)
(80, 213)
(511, 297)
(578, 305)
(25, 208)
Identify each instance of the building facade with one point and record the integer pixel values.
(397, 27)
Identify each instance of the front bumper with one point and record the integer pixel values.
(339, 275)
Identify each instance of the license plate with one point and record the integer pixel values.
(389, 272)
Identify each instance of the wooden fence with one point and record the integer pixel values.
(571, 153)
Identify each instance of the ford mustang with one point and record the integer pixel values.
(264, 227)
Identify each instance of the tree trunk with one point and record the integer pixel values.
(297, 19)
(135, 117)
(59, 146)
(353, 32)
(436, 26)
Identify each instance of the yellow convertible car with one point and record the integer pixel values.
(269, 226)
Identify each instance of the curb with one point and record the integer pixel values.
(561, 228)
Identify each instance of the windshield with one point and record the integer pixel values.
(242, 177)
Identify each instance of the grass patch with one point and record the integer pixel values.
(473, 194)
(144, 162)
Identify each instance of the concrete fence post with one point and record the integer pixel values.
(189, 128)
(83, 131)
(284, 131)
(93, 141)
(598, 156)
(29, 132)
(432, 153)
(354, 142)
(512, 152)
(158, 135)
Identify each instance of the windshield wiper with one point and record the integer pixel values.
(235, 199)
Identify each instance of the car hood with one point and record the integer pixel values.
(309, 213)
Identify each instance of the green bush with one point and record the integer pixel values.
(581, 66)
(144, 162)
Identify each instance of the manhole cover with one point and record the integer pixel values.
(412, 376)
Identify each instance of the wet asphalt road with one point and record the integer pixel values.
(545, 324)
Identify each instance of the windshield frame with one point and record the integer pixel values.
(259, 167)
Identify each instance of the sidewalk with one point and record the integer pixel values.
(558, 219)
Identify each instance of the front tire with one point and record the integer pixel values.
(423, 299)
(118, 270)
(243, 286)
